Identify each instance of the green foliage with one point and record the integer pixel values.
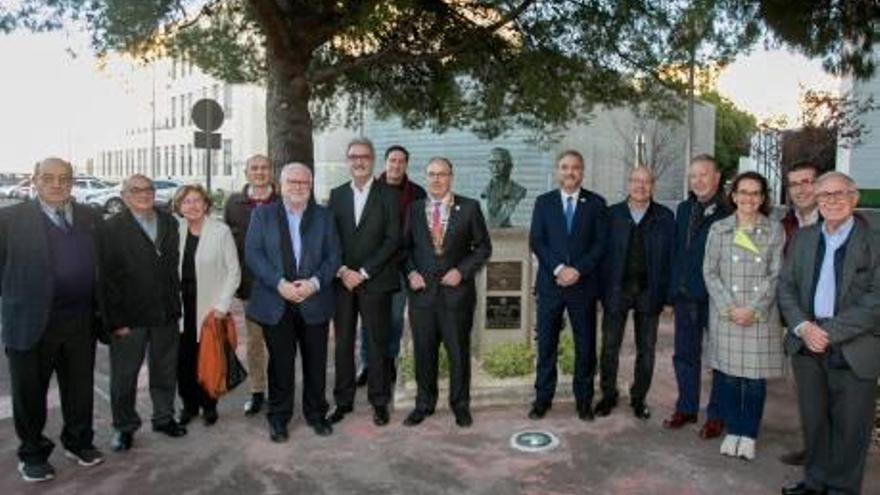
(509, 359)
(733, 131)
(565, 358)
(407, 366)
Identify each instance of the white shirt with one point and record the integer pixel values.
(360, 199)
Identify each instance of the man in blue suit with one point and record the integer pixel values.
(49, 266)
(687, 292)
(568, 225)
(292, 250)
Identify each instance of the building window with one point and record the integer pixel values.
(182, 159)
(157, 159)
(173, 161)
(173, 111)
(167, 162)
(189, 104)
(227, 157)
(183, 110)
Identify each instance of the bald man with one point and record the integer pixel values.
(48, 259)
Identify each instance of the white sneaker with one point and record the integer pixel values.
(746, 448)
(729, 445)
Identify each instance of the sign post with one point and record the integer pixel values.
(207, 115)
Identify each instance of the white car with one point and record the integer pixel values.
(83, 187)
(110, 200)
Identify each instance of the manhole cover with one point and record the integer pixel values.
(534, 441)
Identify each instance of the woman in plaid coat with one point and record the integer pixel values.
(741, 268)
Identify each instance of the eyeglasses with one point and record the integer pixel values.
(61, 180)
(438, 175)
(142, 190)
(749, 194)
(801, 183)
(834, 196)
(298, 183)
(355, 158)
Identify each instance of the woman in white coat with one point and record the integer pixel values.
(209, 275)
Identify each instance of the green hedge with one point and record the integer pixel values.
(509, 359)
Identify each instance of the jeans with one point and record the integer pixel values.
(691, 320)
(742, 404)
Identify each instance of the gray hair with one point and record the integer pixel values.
(834, 174)
(258, 156)
(705, 158)
(440, 159)
(646, 170)
(52, 159)
(293, 166)
(126, 183)
(362, 141)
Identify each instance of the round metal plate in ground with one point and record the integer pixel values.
(533, 441)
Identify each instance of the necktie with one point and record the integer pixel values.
(62, 220)
(569, 213)
(436, 225)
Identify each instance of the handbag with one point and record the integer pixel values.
(236, 374)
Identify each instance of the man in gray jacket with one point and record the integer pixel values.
(829, 293)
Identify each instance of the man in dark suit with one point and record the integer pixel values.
(635, 276)
(829, 294)
(368, 221)
(568, 227)
(48, 265)
(292, 250)
(687, 292)
(447, 244)
(396, 163)
(142, 292)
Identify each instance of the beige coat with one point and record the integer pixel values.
(740, 277)
(218, 272)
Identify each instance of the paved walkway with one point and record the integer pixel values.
(614, 455)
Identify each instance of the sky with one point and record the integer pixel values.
(53, 99)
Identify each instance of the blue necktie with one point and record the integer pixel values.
(569, 213)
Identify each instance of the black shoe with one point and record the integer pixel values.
(794, 458)
(417, 416)
(641, 410)
(361, 378)
(209, 417)
(800, 488)
(339, 413)
(380, 415)
(254, 404)
(539, 410)
(171, 428)
(322, 427)
(463, 418)
(122, 440)
(36, 471)
(605, 406)
(186, 416)
(585, 411)
(277, 433)
(87, 457)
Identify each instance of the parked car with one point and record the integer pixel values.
(84, 186)
(110, 200)
(22, 190)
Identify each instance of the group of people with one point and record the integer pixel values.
(745, 289)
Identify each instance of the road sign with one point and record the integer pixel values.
(207, 115)
(206, 140)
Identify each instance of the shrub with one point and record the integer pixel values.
(509, 359)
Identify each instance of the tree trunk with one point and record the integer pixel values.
(288, 120)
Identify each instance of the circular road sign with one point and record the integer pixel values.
(207, 115)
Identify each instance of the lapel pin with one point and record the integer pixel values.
(457, 207)
(583, 200)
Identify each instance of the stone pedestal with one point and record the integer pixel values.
(505, 303)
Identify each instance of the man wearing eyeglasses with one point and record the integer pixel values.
(48, 262)
(292, 250)
(142, 292)
(367, 218)
(803, 212)
(829, 294)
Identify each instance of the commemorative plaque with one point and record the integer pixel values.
(503, 275)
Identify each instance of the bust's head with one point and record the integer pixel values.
(500, 163)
